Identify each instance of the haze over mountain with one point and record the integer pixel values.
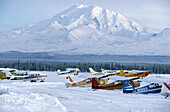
(87, 30)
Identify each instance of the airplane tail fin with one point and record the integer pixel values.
(5, 74)
(165, 91)
(91, 70)
(122, 73)
(70, 79)
(102, 70)
(95, 81)
(2, 75)
(165, 88)
(58, 71)
(127, 87)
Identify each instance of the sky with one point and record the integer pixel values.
(153, 14)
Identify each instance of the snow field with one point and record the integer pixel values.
(53, 96)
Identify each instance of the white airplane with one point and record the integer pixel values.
(32, 77)
(108, 72)
(69, 71)
(165, 91)
(94, 72)
(9, 69)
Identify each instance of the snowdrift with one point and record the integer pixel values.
(3, 90)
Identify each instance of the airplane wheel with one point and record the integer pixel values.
(166, 97)
(41, 81)
(76, 74)
(32, 81)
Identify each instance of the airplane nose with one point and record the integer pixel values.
(147, 73)
(78, 71)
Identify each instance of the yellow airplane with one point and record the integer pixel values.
(132, 73)
(19, 73)
(5, 73)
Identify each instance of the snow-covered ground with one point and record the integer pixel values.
(53, 96)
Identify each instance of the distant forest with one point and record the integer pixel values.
(84, 67)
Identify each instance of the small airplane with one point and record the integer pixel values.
(86, 82)
(165, 91)
(151, 88)
(32, 77)
(134, 73)
(118, 84)
(5, 73)
(94, 72)
(19, 73)
(109, 72)
(9, 69)
(125, 73)
(74, 71)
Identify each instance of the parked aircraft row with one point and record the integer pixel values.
(14, 74)
(128, 86)
(130, 83)
(125, 73)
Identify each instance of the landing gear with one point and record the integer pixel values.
(76, 74)
(166, 96)
(33, 81)
(42, 81)
(67, 85)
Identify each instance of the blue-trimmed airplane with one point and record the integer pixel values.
(151, 88)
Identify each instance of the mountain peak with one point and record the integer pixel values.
(81, 6)
(84, 29)
(97, 17)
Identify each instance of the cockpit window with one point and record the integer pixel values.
(12, 71)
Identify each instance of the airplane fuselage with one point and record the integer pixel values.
(111, 86)
(151, 88)
(30, 77)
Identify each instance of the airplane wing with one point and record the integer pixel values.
(103, 77)
(68, 69)
(116, 77)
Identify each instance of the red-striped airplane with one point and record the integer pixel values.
(118, 84)
(165, 91)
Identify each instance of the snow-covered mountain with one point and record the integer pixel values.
(86, 30)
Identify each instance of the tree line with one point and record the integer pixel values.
(84, 67)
